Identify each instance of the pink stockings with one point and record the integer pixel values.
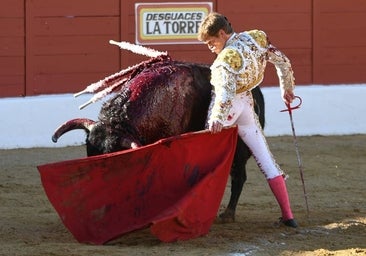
(279, 190)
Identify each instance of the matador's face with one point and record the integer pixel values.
(216, 43)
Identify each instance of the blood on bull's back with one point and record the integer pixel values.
(164, 100)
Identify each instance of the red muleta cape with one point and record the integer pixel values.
(173, 186)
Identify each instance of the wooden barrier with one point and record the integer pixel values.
(50, 47)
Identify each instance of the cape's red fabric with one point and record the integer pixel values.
(173, 186)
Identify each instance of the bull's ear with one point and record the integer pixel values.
(129, 143)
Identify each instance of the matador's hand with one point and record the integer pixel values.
(288, 96)
(215, 127)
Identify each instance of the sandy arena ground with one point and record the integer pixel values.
(334, 172)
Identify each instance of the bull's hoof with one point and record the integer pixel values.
(228, 216)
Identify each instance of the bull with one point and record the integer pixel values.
(156, 99)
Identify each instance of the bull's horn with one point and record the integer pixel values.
(78, 123)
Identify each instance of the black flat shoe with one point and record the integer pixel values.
(289, 223)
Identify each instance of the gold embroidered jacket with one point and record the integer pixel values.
(240, 67)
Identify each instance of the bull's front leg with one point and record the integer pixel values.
(238, 178)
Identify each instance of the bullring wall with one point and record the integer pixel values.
(54, 47)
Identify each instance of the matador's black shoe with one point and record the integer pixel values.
(289, 223)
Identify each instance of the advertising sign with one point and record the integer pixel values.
(169, 23)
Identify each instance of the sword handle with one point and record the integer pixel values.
(288, 105)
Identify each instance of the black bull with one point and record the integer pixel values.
(159, 99)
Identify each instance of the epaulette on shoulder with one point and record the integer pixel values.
(230, 57)
(259, 36)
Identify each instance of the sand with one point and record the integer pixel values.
(334, 170)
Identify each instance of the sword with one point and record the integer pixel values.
(289, 110)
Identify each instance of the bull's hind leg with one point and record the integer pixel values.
(238, 178)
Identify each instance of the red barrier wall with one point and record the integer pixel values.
(50, 47)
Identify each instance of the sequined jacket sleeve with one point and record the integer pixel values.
(223, 78)
(277, 58)
(283, 67)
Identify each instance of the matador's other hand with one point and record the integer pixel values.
(215, 127)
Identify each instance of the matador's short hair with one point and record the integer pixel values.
(211, 25)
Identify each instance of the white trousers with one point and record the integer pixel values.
(242, 114)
